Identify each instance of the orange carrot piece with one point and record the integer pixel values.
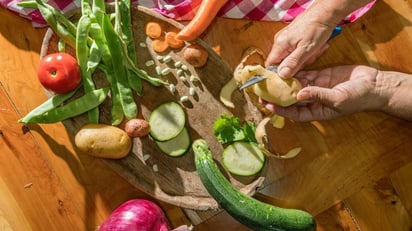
(153, 30)
(206, 12)
(159, 45)
(170, 38)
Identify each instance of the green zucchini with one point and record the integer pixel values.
(243, 158)
(167, 121)
(245, 209)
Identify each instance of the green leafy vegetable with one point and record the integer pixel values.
(229, 128)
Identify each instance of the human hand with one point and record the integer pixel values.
(298, 44)
(333, 92)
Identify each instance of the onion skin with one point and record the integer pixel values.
(136, 215)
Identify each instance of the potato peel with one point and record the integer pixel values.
(263, 141)
(226, 93)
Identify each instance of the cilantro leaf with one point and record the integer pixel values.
(228, 129)
(249, 132)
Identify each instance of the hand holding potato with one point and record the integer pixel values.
(343, 90)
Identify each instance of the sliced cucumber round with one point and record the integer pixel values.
(176, 146)
(243, 158)
(167, 121)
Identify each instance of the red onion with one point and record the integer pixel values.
(136, 215)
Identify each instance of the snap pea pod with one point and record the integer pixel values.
(51, 16)
(28, 4)
(86, 8)
(99, 9)
(59, 23)
(82, 51)
(99, 39)
(128, 104)
(51, 103)
(74, 108)
(126, 27)
(95, 56)
(61, 45)
(116, 111)
(123, 18)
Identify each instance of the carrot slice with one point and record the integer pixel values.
(170, 38)
(153, 30)
(206, 12)
(159, 45)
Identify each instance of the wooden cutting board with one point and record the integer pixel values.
(176, 180)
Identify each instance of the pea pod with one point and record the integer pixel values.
(51, 103)
(58, 22)
(128, 104)
(74, 108)
(116, 110)
(82, 51)
(123, 18)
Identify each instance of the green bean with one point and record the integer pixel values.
(82, 51)
(61, 45)
(74, 108)
(99, 9)
(116, 110)
(95, 57)
(107, 67)
(51, 103)
(86, 8)
(143, 74)
(51, 16)
(128, 104)
(63, 20)
(125, 20)
(28, 4)
(126, 26)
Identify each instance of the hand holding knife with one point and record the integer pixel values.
(258, 78)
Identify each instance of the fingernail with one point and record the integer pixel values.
(303, 96)
(284, 72)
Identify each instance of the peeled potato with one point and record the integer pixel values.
(104, 141)
(273, 89)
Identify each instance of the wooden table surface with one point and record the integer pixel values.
(353, 175)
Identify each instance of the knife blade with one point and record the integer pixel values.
(258, 78)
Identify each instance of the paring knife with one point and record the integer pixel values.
(257, 78)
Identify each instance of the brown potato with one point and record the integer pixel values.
(137, 128)
(104, 141)
(195, 55)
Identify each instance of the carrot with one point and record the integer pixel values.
(153, 30)
(170, 38)
(206, 12)
(159, 45)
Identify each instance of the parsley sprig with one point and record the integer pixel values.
(229, 128)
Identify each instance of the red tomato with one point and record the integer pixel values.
(59, 72)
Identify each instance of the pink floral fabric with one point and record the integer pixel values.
(265, 10)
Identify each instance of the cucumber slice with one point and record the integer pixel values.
(167, 121)
(176, 146)
(243, 158)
